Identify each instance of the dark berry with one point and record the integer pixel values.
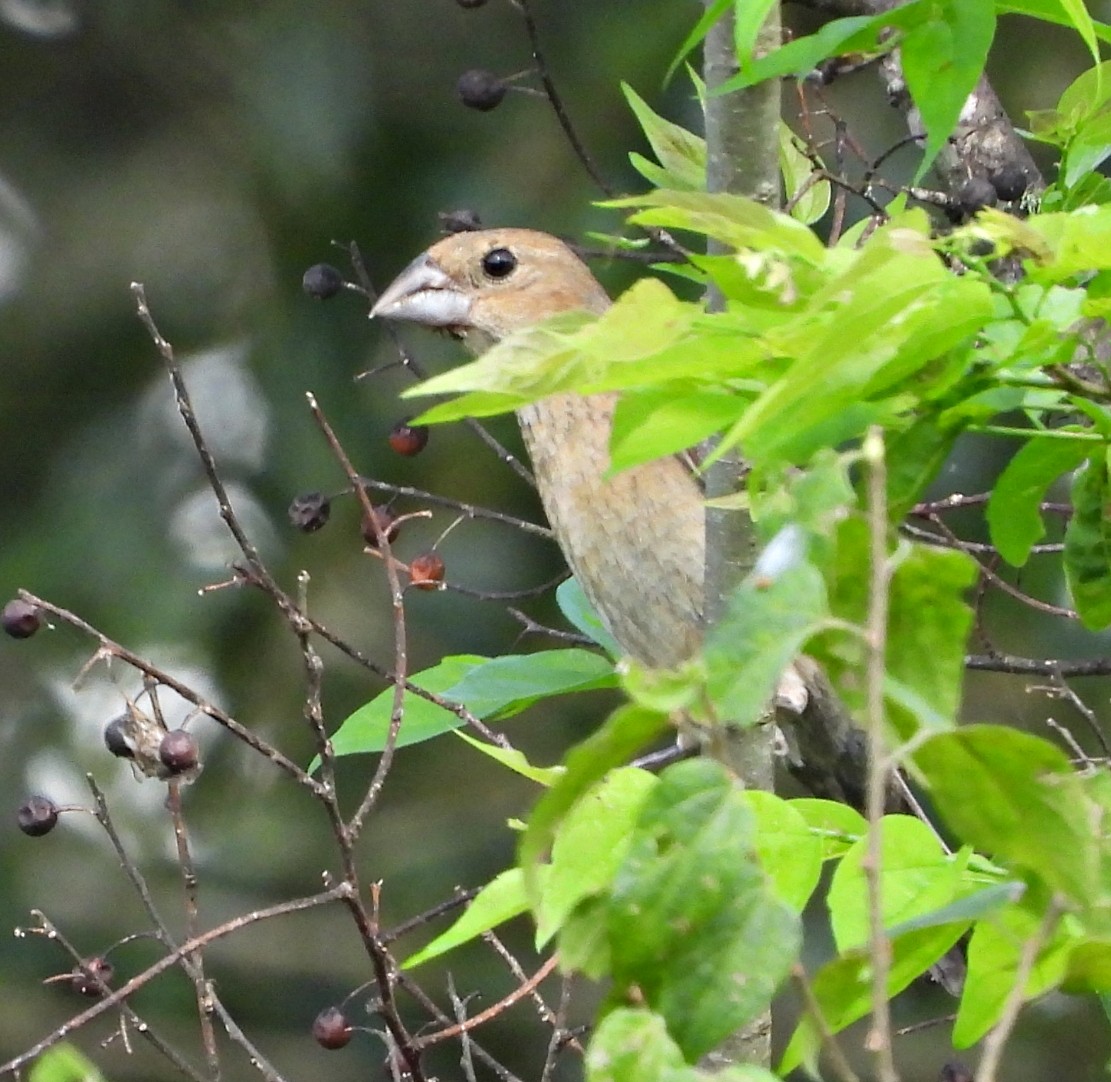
(407, 439)
(89, 978)
(459, 221)
(481, 90)
(310, 511)
(975, 194)
(379, 521)
(1010, 182)
(38, 815)
(322, 281)
(331, 1029)
(426, 571)
(21, 619)
(178, 751)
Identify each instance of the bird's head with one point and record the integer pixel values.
(486, 284)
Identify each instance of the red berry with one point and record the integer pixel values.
(331, 1029)
(407, 439)
(426, 571)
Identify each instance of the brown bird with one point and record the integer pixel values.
(635, 541)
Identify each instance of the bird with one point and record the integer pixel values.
(635, 541)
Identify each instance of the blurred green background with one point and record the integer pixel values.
(213, 149)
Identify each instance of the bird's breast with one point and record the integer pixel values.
(635, 541)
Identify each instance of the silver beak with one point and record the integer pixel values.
(423, 293)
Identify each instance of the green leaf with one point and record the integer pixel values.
(633, 1045)
(1014, 512)
(917, 878)
(943, 60)
(514, 760)
(1059, 12)
(767, 619)
(994, 955)
(64, 1063)
(506, 685)
(625, 732)
(590, 845)
(790, 852)
(573, 603)
(502, 899)
(651, 424)
(843, 988)
(693, 926)
(367, 728)
(835, 825)
(807, 195)
(488, 687)
(1017, 798)
(1088, 544)
(681, 153)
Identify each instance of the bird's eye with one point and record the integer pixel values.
(499, 263)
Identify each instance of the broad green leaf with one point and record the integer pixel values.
(1088, 544)
(574, 605)
(628, 730)
(681, 153)
(589, 845)
(367, 728)
(633, 1045)
(1089, 968)
(693, 925)
(1014, 512)
(790, 852)
(843, 987)
(502, 899)
(942, 60)
(1085, 95)
(917, 876)
(1017, 798)
(994, 955)
(504, 686)
(514, 760)
(767, 620)
(488, 687)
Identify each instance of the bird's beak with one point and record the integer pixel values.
(423, 293)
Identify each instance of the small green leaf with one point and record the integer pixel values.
(502, 899)
(515, 760)
(1014, 511)
(573, 603)
(807, 195)
(693, 925)
(1088, 544)
(681, 153)
(790, 852)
